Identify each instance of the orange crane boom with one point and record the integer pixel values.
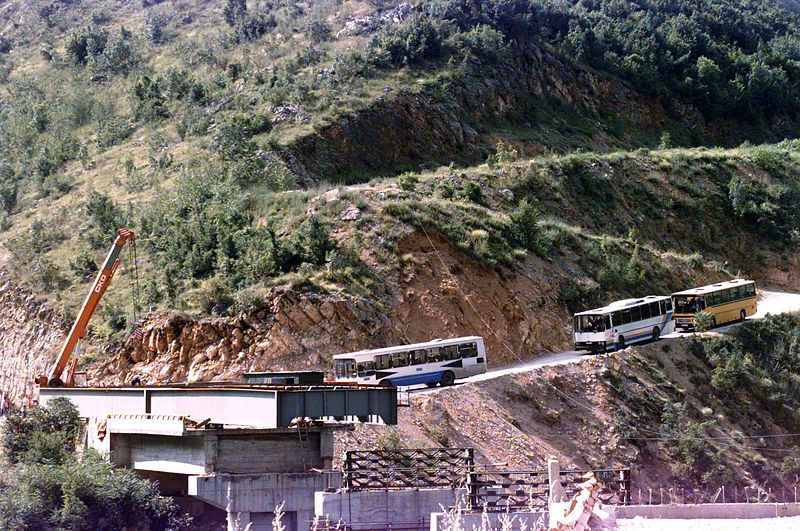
(78, 330)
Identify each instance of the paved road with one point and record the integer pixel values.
(772, 302)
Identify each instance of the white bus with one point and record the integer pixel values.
(436, 362)
(622, 323)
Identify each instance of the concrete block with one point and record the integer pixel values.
(382, 508)
(709, 511)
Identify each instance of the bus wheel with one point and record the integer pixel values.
(432, 384)
(621, 342)
(448, 378)
(742, 315)
(656, 333)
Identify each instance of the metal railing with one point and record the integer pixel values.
(407, 468)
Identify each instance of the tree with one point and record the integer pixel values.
(47, 487)
(235, 12)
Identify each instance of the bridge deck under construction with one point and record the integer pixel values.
(235, 404)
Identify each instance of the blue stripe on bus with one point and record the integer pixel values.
(414, 379)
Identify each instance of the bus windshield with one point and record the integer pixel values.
(346, 369)
(590, 323)
(688, 304)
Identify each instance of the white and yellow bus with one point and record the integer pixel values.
(725, 302)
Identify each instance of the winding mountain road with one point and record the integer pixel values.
(769, 302)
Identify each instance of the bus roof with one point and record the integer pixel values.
(405, 348)
(618, 305)
(714, 287)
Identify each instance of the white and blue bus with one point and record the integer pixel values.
(622, 323)
(441, 361)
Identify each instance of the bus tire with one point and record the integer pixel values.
(621, 343)
(656, 333)
(448, 378)
(742, 315)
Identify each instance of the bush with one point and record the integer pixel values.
(470, 191)
(412, 43)
(703, 321)
(149, 103)
(769, 206)
(525, 230)
(86, 494)
(25, 433)
(317, 31)
(213, 295)
(504, 153)
(408, 182)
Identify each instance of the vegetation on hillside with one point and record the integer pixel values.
(43, 485)
(174, 119)
(702, 423)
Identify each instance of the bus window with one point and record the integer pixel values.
(366, 368)
(737, 293)
(451, 352)
(400, 359)
(713, 299)
(750, 290)
(383, 361)
(654, 310)
(607, 321)
(469, 350)
(616, 318)
(636, 314)
(726, 296)
(669, 305)
(346, 369)
(418, 357)
(626, 316)
(645, 308)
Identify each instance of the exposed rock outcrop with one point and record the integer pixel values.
(432, 123)
(295, 331)
(31, 332)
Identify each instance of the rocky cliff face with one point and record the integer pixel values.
(295, 331)
(439, 123)
(31, 332)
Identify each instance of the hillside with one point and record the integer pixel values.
(667, 410)
(255, 149)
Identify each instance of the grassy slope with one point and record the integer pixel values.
(585, 204)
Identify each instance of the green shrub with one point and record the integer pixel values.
(525, 230)
(703, 321)
(149, 102)
(412, 43)
(470, 191)
(504, 153)
(482, 41)
(213, 294)
(317, 31)
(408, 182)
(19, 432)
